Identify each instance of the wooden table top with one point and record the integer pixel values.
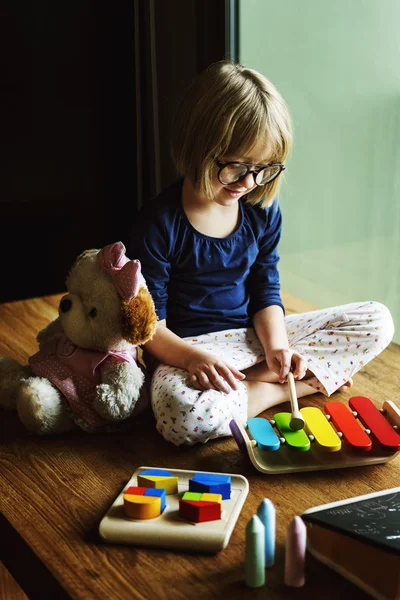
(55, 490)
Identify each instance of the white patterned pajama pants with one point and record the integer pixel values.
(336, 343)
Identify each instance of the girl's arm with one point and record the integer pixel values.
(265, 300)
(205, 370)
(269, 324)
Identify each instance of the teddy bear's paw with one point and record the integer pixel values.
(52, 331)
(114, 404)
(41, 409)
(11, 377)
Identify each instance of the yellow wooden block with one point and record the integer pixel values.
(206, 497)
(141, 507)
(139, 498)
(169, 484)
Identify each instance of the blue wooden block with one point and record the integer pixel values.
(211, 483)
(263, 433)
(156, 473)
(159, 493)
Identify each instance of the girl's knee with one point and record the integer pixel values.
(174, 409)
(171, 434)
(196, 417)
(384, 326)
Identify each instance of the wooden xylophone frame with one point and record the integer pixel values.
(285, 460)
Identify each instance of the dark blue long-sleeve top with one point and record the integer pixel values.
(202, 284)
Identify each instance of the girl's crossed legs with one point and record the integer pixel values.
(335, 342)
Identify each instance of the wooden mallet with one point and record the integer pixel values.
(296, 419)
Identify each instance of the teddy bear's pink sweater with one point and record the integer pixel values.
(74, 371)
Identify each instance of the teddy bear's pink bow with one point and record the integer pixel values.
(125, 273)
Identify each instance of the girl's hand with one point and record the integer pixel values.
(209, 372)
(283, 360)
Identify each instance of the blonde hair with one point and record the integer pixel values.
(225, 112)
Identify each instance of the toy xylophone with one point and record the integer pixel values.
(339, 438)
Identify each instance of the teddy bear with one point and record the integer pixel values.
(86, 373)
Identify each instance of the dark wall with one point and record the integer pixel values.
(190, 37)
(48, 170)
(175, 41)
(88, 95)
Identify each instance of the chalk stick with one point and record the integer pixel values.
(295, 553)
(254, 561)
(267, 514)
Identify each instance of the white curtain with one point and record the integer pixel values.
(338, 67)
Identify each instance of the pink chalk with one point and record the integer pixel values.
(295, 553)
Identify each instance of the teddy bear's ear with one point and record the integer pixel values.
(139, 318)
(84, 254)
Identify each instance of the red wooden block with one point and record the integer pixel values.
(199, 511)
(137, 491)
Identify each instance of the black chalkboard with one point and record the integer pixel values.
(373, 518)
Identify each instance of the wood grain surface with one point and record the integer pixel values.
(55, 490)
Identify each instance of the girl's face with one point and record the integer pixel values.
(228, 195)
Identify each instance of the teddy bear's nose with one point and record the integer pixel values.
(65, 305)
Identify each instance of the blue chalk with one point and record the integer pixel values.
(267, 514)
(160, 493)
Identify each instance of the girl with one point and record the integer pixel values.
(208, 248)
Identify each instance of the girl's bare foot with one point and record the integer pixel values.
(260, 372)
(346, 385)
(264, 389)
(263, 395)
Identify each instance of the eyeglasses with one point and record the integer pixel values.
(232, 172)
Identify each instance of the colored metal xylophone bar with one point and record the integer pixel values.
(340, 438)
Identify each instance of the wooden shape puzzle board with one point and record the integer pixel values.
(169, 530)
